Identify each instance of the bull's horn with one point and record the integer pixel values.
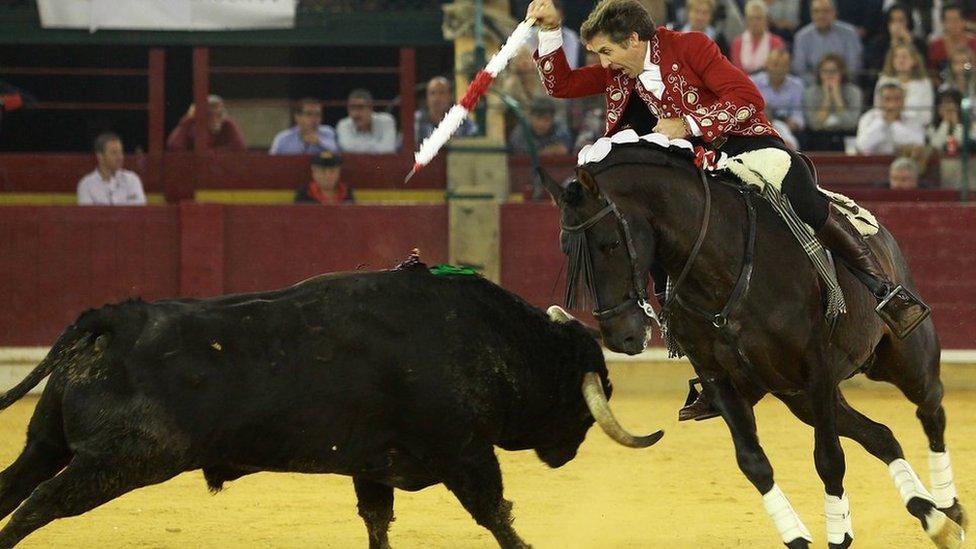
(596, 401)
(559, 315)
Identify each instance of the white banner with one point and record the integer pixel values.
(169, 15)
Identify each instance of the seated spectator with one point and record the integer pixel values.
(440, 99)
(325, 186)
(548, 136)
(953, 37)
(833, 104)
(521, 81)
(308, 135)
(904, 66)
(110, 184)
(223, 134)
(897, 30)
(782, 92)
(903, 174)
(958, 74)
(699, 15)
(885, 129)
(784, 17)
(366, 131)
(945, 134)
(751, 48)
(822, 36)
(572, 46)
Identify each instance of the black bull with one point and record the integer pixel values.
(397, 378)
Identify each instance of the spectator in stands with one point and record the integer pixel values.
(699, 15)
(905, 66)
(784, 17)
(865, 15)
(833, 104)
(440, 98)
(308, 135)
(521, 81)
(885, 129)
(571, 40)
(897, 30)
(110, 184)
(822, 36)
(903, 174)
(366, 131)
(954, 36)
(549, 136)
(325, 186)
(751, 48)
(945, 134)
(958, 74)
(223, 133)
(783, 94)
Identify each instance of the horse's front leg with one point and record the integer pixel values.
(828, 456)
(737, 412)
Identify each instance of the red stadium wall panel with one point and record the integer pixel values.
(56, 262)
(936, 239)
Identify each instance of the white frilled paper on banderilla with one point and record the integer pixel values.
(167, 15)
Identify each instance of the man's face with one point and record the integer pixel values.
(541, 122)
(111, 159)
(360, 110)
(309, 117)
(778, 63)
(626, 56)
(326, 177)
(438, 97)
(822, 13)
(700, 17)
(953, 22)
(903, 179)
(892, 102)
(215, 116)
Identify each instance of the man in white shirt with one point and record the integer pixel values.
(364, 130)
(109, 184)
(885, 129)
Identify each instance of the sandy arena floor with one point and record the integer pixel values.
(684, 492)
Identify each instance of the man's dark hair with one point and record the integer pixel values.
(616, 19)
(891, 86)
(104, 139)
(951, 6)
(300, 104)
(361, 93)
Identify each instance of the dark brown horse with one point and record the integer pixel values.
(755, 326)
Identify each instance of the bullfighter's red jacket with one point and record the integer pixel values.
(699, 83)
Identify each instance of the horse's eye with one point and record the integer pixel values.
(613, 246)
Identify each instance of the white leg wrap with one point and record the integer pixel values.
(908, 484)
(838, 511)
(940, 478)
(787, 522)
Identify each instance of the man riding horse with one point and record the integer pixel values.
(684, 88)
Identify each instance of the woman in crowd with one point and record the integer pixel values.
(751, 48)
(898, 29)
(958, 74)
(904, 66)
(833, 104)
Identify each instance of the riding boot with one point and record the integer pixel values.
(898, 307)
(697, 406)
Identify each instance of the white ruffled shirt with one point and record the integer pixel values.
(650, 77)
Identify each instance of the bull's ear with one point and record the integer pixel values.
(551, 186)
(588, 182)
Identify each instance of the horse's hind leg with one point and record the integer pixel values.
(912, 365)
(738, 415)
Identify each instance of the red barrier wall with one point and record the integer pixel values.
(936, 239)
(56, 262)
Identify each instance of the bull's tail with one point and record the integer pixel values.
(79, 336)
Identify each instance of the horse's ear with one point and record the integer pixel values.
(550, 185)
(588, 182)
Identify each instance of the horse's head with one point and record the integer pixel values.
(610, 251)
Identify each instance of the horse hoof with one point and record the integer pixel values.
(945, 532)
(799, 543)
(848, 540)
(957, 514)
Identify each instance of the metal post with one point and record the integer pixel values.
(479, 59)
(408, 98)
(201, 88)
(157, 100)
